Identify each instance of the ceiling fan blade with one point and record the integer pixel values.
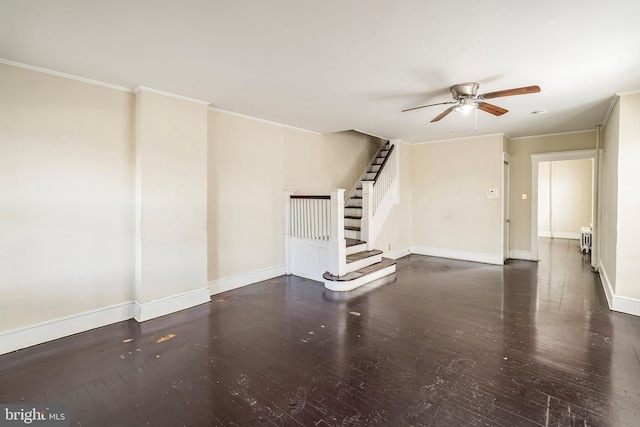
(443, 114)
(510, 92)
(490, 108)
(430, 105)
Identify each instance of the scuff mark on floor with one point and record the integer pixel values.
(165, 338)
(355, 313)
(127, 340)
(301, 399)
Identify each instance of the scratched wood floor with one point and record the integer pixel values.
(440, 343)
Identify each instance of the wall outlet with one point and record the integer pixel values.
(524, 196)
(493, 193)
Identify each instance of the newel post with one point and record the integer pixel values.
(338, 246)
(366, 223)
(287, 230)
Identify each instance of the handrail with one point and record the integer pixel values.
(372, 162)
(384, 162)
(311, 197)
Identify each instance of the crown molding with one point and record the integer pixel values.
(459, 139)
(554, 134)
(373, 135)
(63, 75)
(170, 95)
(244, 116)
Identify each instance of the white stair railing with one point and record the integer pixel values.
(311, 217)
(314, 234)
(378, 198)
(384, 178)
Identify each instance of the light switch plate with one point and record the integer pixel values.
(493, 193)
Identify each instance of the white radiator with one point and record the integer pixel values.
(585, 240)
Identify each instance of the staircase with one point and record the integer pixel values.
(362, 265)
(331, 240)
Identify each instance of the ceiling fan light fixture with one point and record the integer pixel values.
(465, 108)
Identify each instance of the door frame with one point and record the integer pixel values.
(551, 157)
(506, 180)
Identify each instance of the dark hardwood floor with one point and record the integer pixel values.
(441, 342)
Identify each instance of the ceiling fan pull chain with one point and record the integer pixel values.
(476, 129)
(453, 125)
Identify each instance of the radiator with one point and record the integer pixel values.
(585, 240)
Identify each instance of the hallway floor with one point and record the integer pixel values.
(439, 343)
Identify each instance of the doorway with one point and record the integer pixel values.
(536, 160)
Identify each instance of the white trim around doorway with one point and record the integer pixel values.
(548, 157)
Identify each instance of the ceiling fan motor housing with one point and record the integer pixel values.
(465, 90)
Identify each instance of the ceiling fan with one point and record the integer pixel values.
(466, 99)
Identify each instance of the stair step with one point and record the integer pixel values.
(349, 227)
(354, 242)
(355, 197)
(352, 217)
(370, 270)
(362, 255)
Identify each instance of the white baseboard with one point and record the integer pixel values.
(233, 282)
(616, 302)
(524, 255)
(606, 284)
(64, 326)
(160, 307)
(397, 254)
(460, 255)
(560, 235)
(626, 305)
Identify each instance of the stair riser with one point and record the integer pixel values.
(358, 192)
(378, 160)
(352, 234)
(357, 265)
(352, 212)
(354, 202)
(352, 284)
(369, 176)
(374, 168)
(349, 222)
(356, 248)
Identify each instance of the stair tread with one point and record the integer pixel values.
(355, 197)
(353, 207)
(352, 217)
(354, 242)
(362, 255)
(386, 262)
(349, 227)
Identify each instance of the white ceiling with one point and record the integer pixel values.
(335, 65)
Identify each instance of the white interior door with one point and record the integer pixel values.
(506, 161)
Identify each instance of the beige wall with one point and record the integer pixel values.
(564, 197)
(251, 163)
(246, 207)
(171, 181)
(66, 197)
(627, 282)
(450, 205)
(316, 164)
(609, 196)
(521, 150)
